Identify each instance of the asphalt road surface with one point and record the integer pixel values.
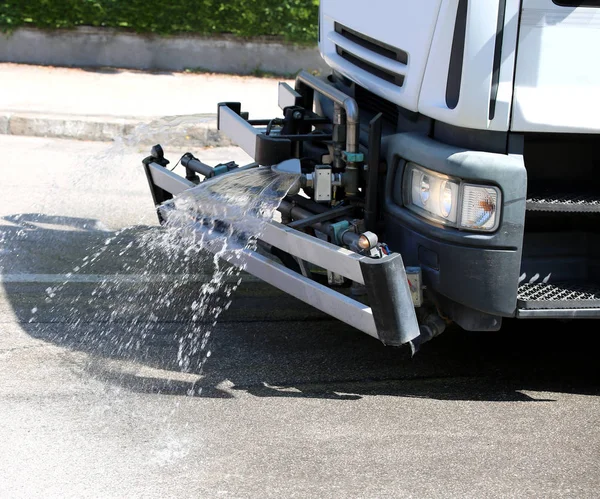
(96, 324)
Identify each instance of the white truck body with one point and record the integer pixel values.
(555, 75)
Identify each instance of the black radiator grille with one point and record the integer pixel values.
(372, 103)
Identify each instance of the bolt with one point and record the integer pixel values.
(297, 115)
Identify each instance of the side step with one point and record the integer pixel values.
(558, 300)
(564, 202)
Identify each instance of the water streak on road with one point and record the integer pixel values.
(221, 217)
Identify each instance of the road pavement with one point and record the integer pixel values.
(289, 403)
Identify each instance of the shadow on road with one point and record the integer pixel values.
(266, 344)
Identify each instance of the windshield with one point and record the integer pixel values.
(577, 3)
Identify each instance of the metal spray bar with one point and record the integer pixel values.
(391, 317)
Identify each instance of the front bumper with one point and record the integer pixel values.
(479, 271)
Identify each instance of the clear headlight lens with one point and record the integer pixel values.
(447, 199)
(437, 197)
(436, 194)
(425, 189)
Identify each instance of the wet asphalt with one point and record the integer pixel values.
(289, 403)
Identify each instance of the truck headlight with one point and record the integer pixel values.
(432, 194)
(450, 201)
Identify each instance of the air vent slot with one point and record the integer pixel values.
(373, 45)
(377, 58)
(396, 79)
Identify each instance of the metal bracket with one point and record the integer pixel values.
(322, 183)
(287, 96)
(413, 274)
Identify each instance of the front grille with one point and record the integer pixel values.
(558, 295)
(392, 72)
(369, 43)
(566, 202)
(368, 101)
(394, 78)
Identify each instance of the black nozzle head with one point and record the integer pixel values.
(157, 155)
(157, 152)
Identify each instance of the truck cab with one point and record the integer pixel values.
(491, 145)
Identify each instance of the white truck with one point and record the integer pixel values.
(448, 166)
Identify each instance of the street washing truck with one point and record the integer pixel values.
(448, 166)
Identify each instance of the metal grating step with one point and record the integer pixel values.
(565, 202)
(558, 295)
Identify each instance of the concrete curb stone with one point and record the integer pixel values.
(4, 121)
(106, 47)
(80, 128)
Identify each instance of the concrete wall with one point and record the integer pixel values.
(102, 47)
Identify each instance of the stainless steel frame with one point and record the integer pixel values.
(336, 304)
(167, 180)
(391, 317)
(233, 125)
(287, 96)
(326, 255)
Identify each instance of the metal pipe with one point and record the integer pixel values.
(350, 239)
(431, 325)
(287, 209)
(296, 213)
(339, 97)
(194, 164)
(339, 136)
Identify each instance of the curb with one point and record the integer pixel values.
(145, 131)
(106, 47)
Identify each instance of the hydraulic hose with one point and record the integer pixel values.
(194, 164)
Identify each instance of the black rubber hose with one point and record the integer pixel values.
(194, 164)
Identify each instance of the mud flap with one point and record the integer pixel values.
(390, 298)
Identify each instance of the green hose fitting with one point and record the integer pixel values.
(338, 229)
(220, 169)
